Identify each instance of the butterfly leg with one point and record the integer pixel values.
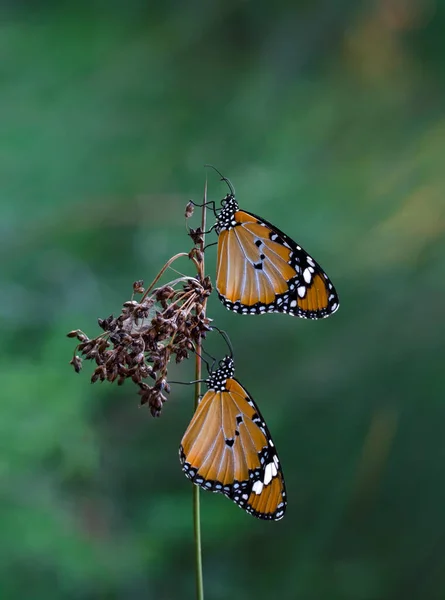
(209, 245)
(210, 203)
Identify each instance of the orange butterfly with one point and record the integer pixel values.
(260, 269)
(227, 448)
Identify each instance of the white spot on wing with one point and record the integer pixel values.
(301, 291)
(257, 487)
(270, 472)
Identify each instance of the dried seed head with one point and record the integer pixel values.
(76, 361)
(138, 287)
(142, 340)
(107, 324)
(99, 373)
(196, 235)
(80, 335)
(130, 305)
(207, 285)
(189, 209)
(139, 358)
(196, 254)
(102, 345)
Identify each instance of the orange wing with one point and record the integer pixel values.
(260, 269)
(227, 448)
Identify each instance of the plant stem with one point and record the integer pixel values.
(198, 553)
(198, 376)
(161, 272)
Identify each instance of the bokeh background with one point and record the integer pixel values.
(329, 118)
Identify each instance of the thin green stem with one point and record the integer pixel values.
(198, 376)
(198, 551)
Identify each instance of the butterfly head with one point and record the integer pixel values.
(226, 219)
(217, 379)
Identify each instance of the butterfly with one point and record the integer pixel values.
(227, 448)
(260, 269)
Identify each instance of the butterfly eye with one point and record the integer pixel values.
(223, 201)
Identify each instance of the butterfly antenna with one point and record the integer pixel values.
(188, 382)
(226, 339)
(229, 184)
(203, 359)
(210, 369)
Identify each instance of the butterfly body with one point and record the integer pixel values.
(260, 269)
(226, 215)
(227, 448)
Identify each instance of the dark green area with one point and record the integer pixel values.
(329, 119)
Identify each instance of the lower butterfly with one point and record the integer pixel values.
(227, 448)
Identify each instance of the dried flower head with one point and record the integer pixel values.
(196, 235)
(189, 210)
(138, 287)
(167, 323)
(140, 342)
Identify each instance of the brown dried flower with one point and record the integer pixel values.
(196, 235)
(140, 342)
(138, 287)
(189, 209)
(167, 323)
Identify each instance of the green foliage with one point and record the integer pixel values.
(329, 121)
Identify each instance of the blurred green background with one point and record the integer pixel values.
(329, 118)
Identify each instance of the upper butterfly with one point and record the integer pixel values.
(260, 269)
(227, 448)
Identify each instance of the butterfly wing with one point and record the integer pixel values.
(260, 269)
(227, 448)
